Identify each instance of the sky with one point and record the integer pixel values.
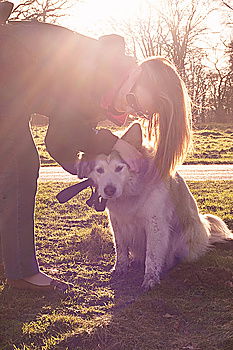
(100, 17)
(91, 17)
(96, 17)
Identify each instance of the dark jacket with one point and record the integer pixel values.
(50, 70)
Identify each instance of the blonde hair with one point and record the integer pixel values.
(170, 127)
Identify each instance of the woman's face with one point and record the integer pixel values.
(143, 101)
(134, 98)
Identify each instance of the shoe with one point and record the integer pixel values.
(54, 285)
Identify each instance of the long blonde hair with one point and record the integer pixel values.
(171, 125)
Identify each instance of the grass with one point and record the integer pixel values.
(212, 144)
(190, 309)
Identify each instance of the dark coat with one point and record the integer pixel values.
(50, 70)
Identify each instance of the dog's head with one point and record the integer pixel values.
(110, 173)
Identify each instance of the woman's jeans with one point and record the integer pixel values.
(19, 171)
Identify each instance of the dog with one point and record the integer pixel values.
(154, 222)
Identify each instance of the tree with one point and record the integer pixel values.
(198, 84)
(144, 34)
(227, 5)
(230, 90)
(230, 51)
(186, 24)
(220, 88)
(41, 10)
(174, 30)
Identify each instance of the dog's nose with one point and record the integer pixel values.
(109, 190)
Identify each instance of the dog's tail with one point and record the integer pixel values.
(217, 228)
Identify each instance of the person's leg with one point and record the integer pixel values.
(18, 185)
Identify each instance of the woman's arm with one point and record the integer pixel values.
(65, 139)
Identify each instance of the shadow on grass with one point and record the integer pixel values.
(191, 309)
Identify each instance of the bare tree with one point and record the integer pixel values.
(147, 35)
(198, 84)
(227, 11)
(175, 30)
(229, 96)
(220, 91)
(227, 4)
(143, 34)
(230, 52)
(42, 10)
(186, 23)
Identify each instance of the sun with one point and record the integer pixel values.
(98, 17)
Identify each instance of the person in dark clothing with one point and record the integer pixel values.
(76, 81)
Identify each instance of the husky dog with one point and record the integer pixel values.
(155, 222)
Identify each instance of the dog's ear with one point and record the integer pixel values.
(84, 165)
(134, 136)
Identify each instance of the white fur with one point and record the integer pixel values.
(154, 222)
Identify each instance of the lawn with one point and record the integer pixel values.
(191, 309)
(212, 144)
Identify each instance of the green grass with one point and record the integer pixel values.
(39, 133)
(191, 309)
(212, 144)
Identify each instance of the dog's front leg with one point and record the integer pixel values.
(121, 248)
(157, 236)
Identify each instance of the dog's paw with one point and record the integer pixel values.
(150, 282)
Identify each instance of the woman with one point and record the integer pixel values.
(76, 81)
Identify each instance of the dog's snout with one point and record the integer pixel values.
(109, 190)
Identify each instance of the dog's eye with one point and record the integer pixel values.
(118, 168)
(100, 170)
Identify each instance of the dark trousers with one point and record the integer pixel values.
(19, 171)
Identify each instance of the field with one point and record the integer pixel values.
(212, 144)
(191, 309)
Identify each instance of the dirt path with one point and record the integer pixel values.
(189, 172)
